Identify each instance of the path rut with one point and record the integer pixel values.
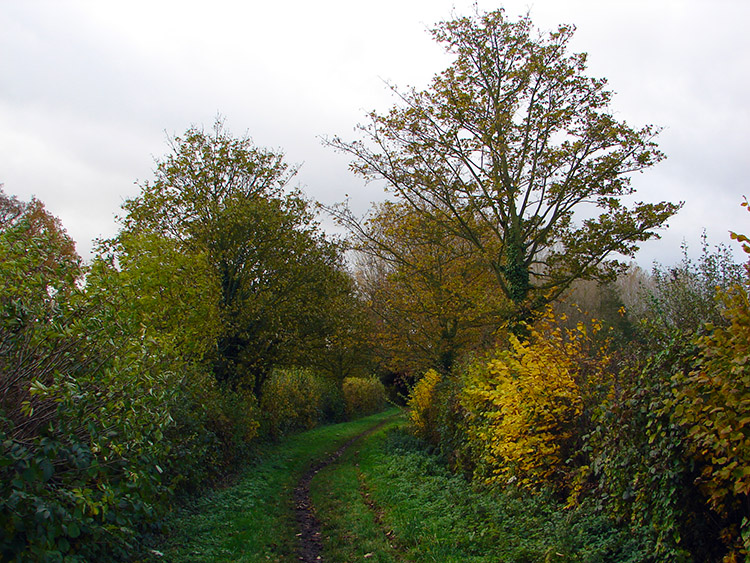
(310, 541)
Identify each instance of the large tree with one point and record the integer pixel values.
(229, 199)
(514, 150)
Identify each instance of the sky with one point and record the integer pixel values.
(90, 91)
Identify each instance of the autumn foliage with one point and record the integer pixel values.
(522, 405)
(656, 432)
(137, 379)
(363, 395)
(424, 405)
(713, 404)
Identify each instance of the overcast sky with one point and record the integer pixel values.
(90, 90)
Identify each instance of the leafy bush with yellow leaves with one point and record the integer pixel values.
(424, 407)
(291, 400)
(522, 407)
(363, 396)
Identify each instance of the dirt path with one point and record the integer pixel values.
(310, 543)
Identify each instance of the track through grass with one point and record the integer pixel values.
(386, 500)
(254, 520)
(352, 524)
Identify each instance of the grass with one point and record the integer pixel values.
(350, 519)
(388, 500)
(253, 521)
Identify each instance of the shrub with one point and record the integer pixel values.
(79, 465)
(213, 429)
(424, 407)
(683, 297)
(98, 384)
(677, 416)
(438, 417)
(638, 455)
(332, 406)
(522, 406)
(713, 406)
(292, 400)
(363, 396)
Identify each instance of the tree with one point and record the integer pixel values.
(224, 197)
(339, 346)
(430, 296)
(39, 270)
(513, 150)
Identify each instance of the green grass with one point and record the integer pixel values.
(350, 520)
(387, 500)
(253, 521)
(426, 514)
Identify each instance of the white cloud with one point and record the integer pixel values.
(88, 90)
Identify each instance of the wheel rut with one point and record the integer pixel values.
(310, 540)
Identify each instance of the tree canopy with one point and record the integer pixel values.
(514, 150)
(277, 271)
(431, 297)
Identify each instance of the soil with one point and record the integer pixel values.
(310, 543)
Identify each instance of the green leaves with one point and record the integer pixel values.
(711, 404)
(224, 200)
(507, 148)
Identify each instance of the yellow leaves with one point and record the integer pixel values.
(291, 400)
(423, 404)
(363, 395)
(521, 406)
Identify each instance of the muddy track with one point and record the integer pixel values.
(310, 542)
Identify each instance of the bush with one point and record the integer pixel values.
(638, 454)
(522, 407)
(683, 297)
(292, 400)
(333, 406)
(424, 407)
(79, 465)
(676, 417)
(713, 406)
(363, 396)
(212, 431)
(106, 403)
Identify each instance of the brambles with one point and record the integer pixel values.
(712, 404)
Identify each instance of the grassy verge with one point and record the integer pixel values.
(253, 521)
(387, 500)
